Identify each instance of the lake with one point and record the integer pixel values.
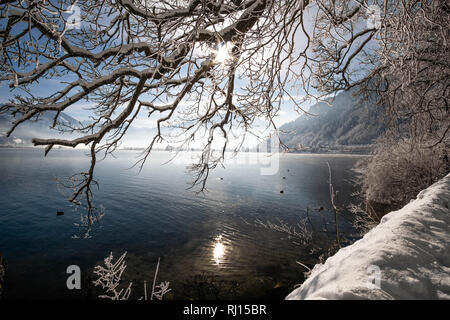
(209, 244)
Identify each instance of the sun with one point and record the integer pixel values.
(224, 53)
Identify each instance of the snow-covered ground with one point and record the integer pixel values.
(408, 252)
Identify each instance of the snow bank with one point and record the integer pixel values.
(411, 248)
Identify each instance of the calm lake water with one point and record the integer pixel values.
(208, 243)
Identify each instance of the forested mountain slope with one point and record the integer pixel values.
(346, 124)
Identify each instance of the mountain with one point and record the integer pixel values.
(26, 131)
(346, 124)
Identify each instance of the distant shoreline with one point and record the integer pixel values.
(337, 153)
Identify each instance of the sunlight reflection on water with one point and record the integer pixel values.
(219, 250)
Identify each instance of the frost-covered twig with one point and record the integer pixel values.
(163, 286)
(299, 231)
(109, 278)
(333, 195)
(303, 265)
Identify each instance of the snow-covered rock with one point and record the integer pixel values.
(409, 252)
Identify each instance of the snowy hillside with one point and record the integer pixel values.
(347, 122)
(23, 134)
(411, 248)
